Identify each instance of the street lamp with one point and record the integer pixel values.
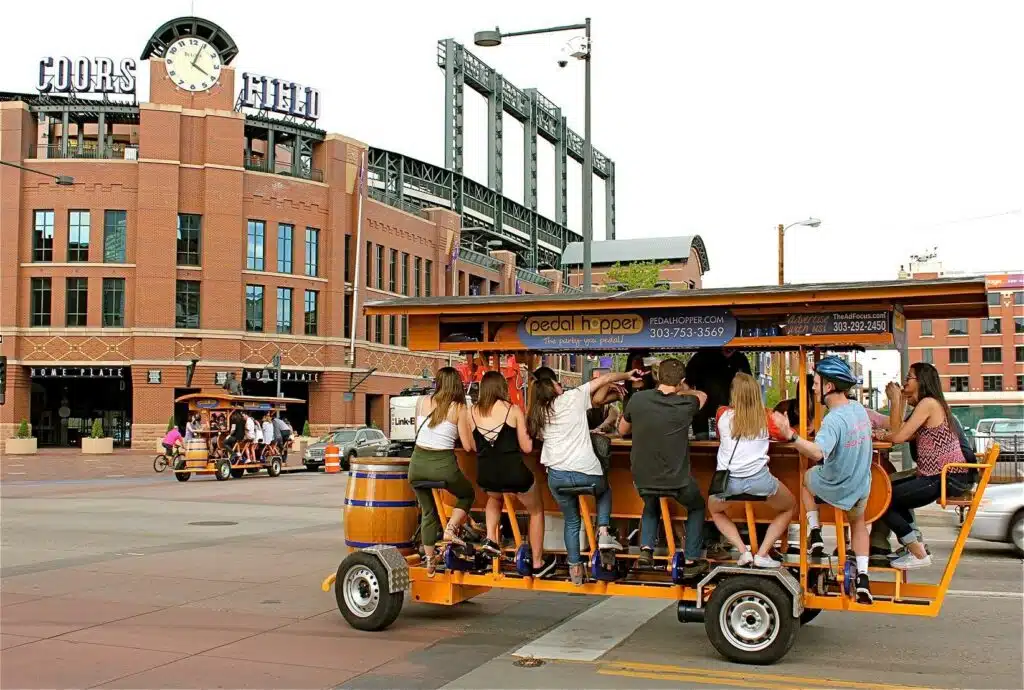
(63, 180)
(810, 222)
(493, 37)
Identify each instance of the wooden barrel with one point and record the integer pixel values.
(380, 506)
(196, 453)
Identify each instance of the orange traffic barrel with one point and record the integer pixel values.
(332, 459)
(380, 506)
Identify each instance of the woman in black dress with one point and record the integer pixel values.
(498, 431)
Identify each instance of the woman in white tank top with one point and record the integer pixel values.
(433, 459)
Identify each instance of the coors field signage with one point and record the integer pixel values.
(279, 96)
(77, 372)
(86, 75)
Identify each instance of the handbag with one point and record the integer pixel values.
(720, 479)
(602, 449)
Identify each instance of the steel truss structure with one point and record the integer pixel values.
(540, 117)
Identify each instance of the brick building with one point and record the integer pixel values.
(981, 361)
(685, 257)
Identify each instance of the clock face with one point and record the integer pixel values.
(192, 64)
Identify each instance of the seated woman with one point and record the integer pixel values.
(937, 444)
(744, 430)
(433, 459)
(559, 417)
(496, 430)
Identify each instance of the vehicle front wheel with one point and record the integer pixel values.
(274, 468)
(348, 461)
(224, 470)
(750, 620)
(361, 590)
(182, 476)
(809, 615)
(1017, 533)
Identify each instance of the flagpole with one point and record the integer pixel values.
(360, 189)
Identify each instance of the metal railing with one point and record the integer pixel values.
(94, 151)
(1010, 464)
(531, 277)
(475, 257)
(569, 289)
(286, 169)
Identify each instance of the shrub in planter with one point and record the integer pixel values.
(23, 429)
(97, 444)
(22, 443)
(305, 429)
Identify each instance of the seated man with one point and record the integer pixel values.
(843, 480)
(660, 458)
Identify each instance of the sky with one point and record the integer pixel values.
(899, 125)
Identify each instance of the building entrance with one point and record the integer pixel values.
(66, 400)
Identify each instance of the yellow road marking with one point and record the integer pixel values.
(739, 678)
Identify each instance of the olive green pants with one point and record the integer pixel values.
(437, 465)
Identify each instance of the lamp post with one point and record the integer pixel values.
(493, 37)
(811, 223)
(63, 180)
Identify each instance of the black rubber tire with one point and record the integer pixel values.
(274, 468)
(388, 605)
(224, 471)
(1014, 521)
(348, 461)
(182, 476)
(809, 615)
(237, 472)
(160, 463)
(770, 593)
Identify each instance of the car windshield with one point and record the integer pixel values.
(1014, 427)
(344, 436)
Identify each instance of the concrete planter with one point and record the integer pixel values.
(97, 446)
(20, 446)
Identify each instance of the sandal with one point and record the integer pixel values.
(451, 537)
(431, 564)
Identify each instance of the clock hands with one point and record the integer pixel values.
(198, 53)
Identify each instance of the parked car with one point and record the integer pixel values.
(983, 433)
(1000, 516)
(352, 442)
(1009, 434)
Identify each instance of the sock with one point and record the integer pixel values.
(812, 520)
(862, 564)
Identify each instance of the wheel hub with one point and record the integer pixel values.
(362, 591)
(750, 621)
(1018, 534)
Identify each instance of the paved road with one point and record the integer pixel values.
(124, 582)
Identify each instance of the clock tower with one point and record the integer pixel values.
(189, 65)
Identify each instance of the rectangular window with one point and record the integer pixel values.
(254, 308)
(958, 355)
(378, 334)
(311, 322)
(369, 329)
(379, 282)
(392, 330)
(417, 278)
(928, 356)
(188, 239)
(957, 326)
(369, 264)
(186, 304)
(990, 326)
(76, 302)
(1020, 382)
(1020, 353)
(115, 236)
(78, 235)
(991, 354)
(41, 301)
(991, 384)
(428, 278)
(42, 236)
(993, 299)
(348, 252)
(113, 302)
(1018, 298)
(284, 248)
(393, 271)
(284, 310)
(1018, 324)
(312, 252)
(254, 245)
(347, 317)
(926, 327)
(405, 331)
(959, 384)
(405, 274)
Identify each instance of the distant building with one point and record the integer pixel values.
(686, 256)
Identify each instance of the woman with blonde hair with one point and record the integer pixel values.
(744, 430)
(433, 459)
(496, 430)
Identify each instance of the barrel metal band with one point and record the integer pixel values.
(379, 475)
(379, 504)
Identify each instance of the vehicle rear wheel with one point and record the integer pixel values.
(361, 590)
(809, 615)
(274, 468)
(348, 461)
(182, 476)
(160, 463)
(237, 472)
(224, 471)
(750, 620)
(1017, 533)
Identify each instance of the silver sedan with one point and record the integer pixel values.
(1000, 516)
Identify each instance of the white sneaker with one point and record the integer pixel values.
(746, 558)
(909, 561)
(765, 562)
(607, 541)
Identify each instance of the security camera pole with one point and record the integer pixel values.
(491, 38)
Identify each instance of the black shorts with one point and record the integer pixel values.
(168, 448)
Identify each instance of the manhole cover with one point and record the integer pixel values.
(213, 523)
(528, 662)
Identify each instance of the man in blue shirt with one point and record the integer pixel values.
(843, 480)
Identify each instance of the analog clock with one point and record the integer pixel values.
(192, 64)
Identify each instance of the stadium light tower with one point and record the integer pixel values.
(493, 37)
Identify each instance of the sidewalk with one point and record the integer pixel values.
(70, 463)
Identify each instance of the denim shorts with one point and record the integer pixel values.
(762, 483)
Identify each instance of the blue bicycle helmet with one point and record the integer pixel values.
(835, 369)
